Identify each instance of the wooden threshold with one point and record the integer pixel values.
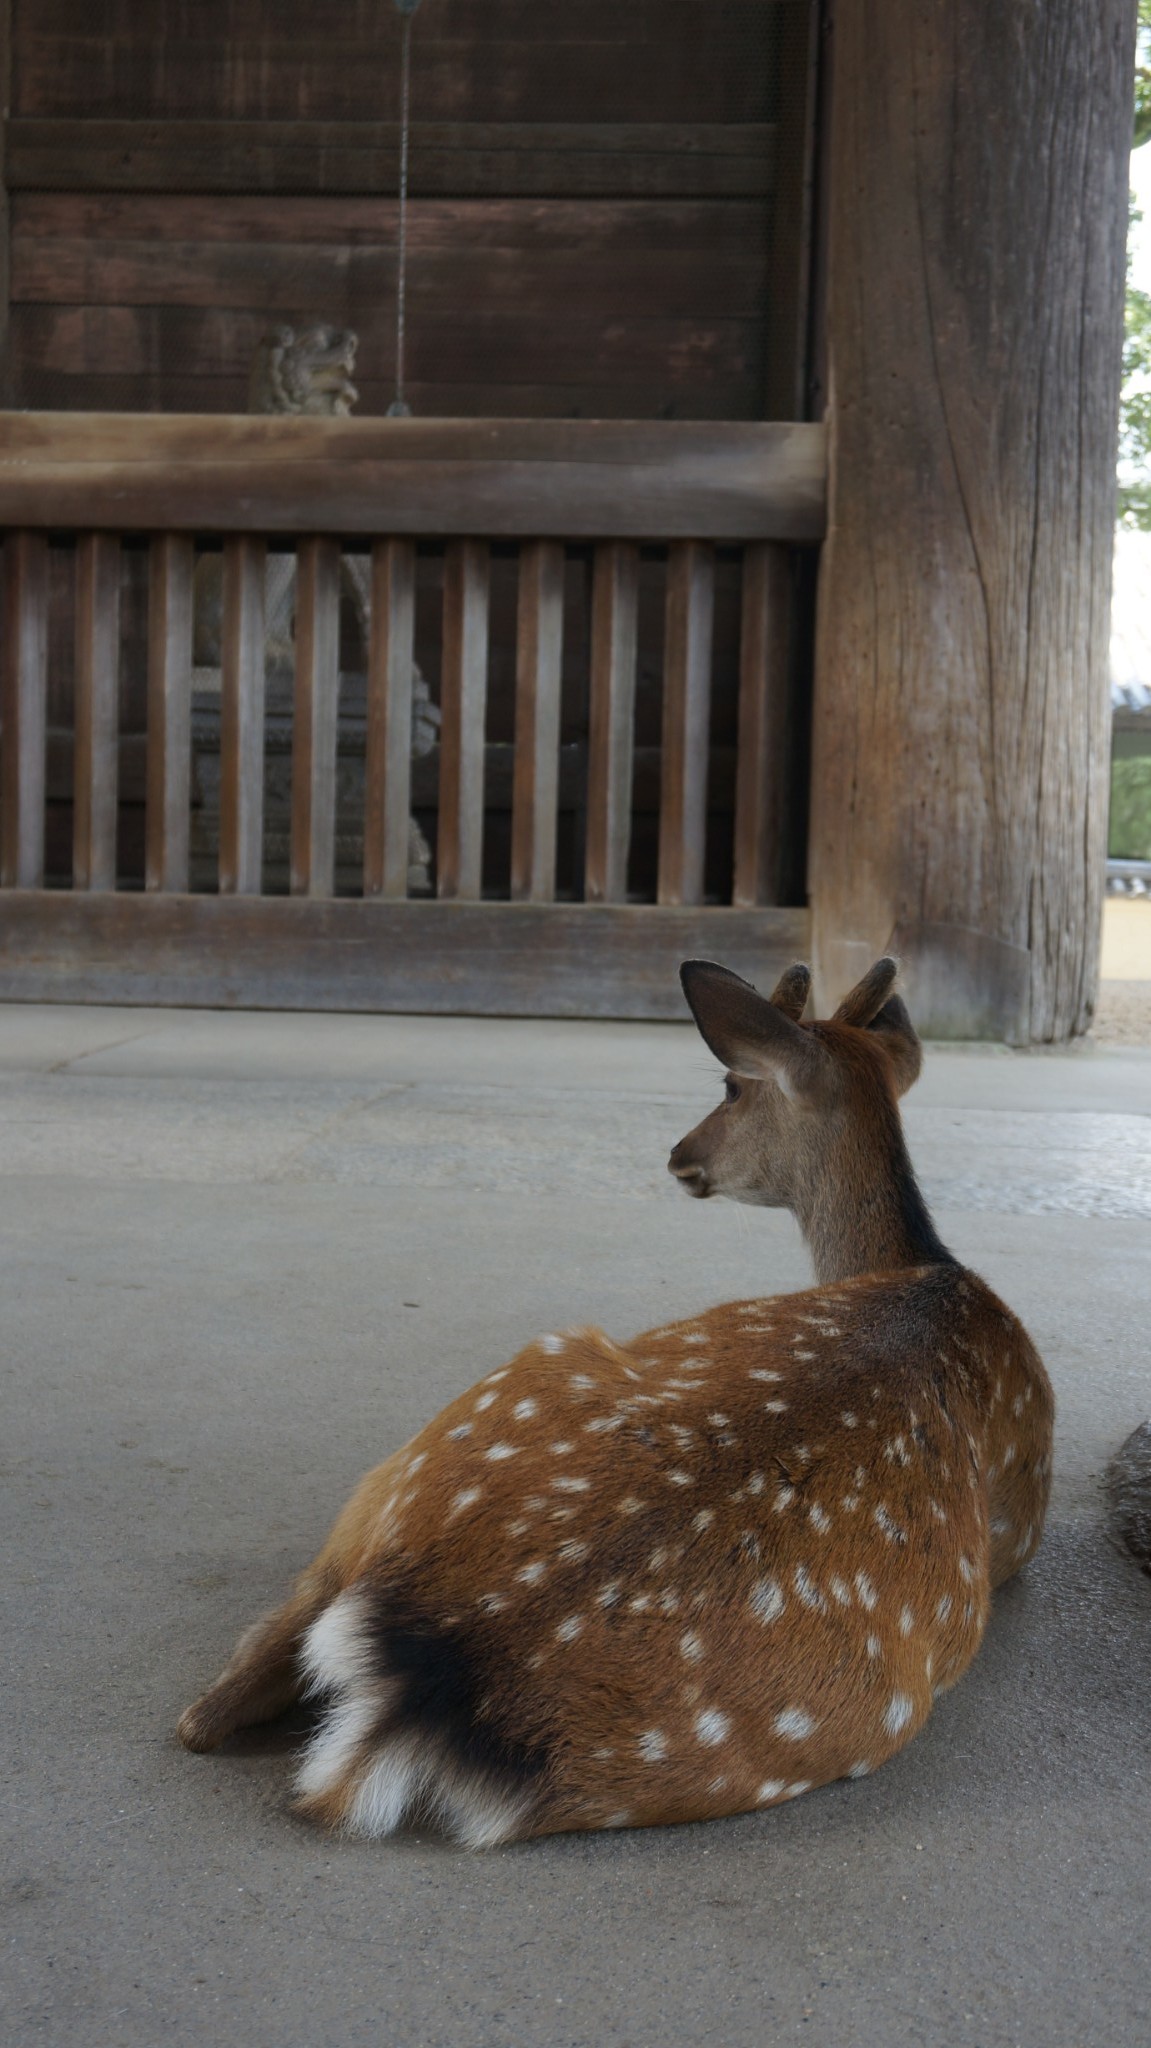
(362, 954)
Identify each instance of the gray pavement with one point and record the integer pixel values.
(245, 1258)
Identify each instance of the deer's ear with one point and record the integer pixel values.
(748, 1034)
(900, 1040)
(792, 990)
(869, 995)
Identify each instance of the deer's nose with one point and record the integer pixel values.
(688, 1172)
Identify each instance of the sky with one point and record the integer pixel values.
(1140, 244)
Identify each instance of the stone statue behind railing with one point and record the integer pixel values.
(304, 372)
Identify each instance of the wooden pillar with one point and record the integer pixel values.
(976, 218)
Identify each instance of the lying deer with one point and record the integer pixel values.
(703, 1571)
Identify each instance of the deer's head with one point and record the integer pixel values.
(798, 1097)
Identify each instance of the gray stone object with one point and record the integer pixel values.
(1127, 1484)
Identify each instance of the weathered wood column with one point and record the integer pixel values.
(977, 216)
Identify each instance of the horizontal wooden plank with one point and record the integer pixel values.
(719, 160)
(709, 285)
(686, 353)
(729, 398)
(364, 22)
(296, 953)
(320, 76)
(435, 226)
(571, 478)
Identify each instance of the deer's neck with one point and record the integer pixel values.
(862, 1211)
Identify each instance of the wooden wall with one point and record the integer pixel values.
(608, 219)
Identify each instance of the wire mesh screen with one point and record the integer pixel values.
(606, 214)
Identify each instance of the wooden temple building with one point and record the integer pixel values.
(737, 583)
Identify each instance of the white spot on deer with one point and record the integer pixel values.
(461, 1429)
(795, 1724)
(849, 1420)
(652, 1745)
(609, 1595)
(492, 1603)
(517, 1528)
(761, 1373)
(694, 1337)
(889, 1526)
(936, 1510)
(485, 1401)
(906, 1621)
(897, 1713)
(718, 1421)
(756, 1483)
(860, 1770)
(640, 1604)
(600, 1423)
(524, 1410)
(617, 1820)
(772, 1788)
(531, 1574)
(703, 1520)
(1000, 1526)
(690, 1647)
(678, 1478)
(839, 1591)
(850, 1502)
(944, 1608)
(573, 1553)
(712, 1727)
(495, 1452)
(629, 1505)
(568, 1485)
(766, 1600)
(818, 1517)
(464, 1499)
(775, 1407)
(568, 1630)
(873, 1646)
(802, 1453)
(805, 1356)
(805, 1591)
(966, 1570)
(866, 1591)
(552, 1344)
(783, 1499)
(603, 1756)
(1009, 1456)
(581, 1383)
(657, 1560)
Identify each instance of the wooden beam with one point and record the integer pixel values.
(5, 188)
(961, 716)
(23, 709)
(169, 762)
(762, 759)
(539, 654)
(611, 720)
(463, 702)
(465, 159)
(97, 675)
(242, 717)
(388, 768)
(314, 721)
(686, 713)
(301, 953)
(561, 479)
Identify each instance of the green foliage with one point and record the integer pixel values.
(1142, 76)
(1134, 507)
(1129, 832)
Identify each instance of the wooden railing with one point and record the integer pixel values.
(673, 497)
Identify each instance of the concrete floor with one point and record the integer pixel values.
(247, 1256)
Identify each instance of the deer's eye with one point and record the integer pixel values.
(731, 1089)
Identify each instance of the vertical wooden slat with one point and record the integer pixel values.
(169, 794)
(686, 705)
(761, 760)
(23, 710)
(391, 655)
(463, 697)
(611, 720)
(242, 717)
(96, 721)
(315, 718)
(535, 786)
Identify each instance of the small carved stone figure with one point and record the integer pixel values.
(305, 372)
(1127, 1484)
